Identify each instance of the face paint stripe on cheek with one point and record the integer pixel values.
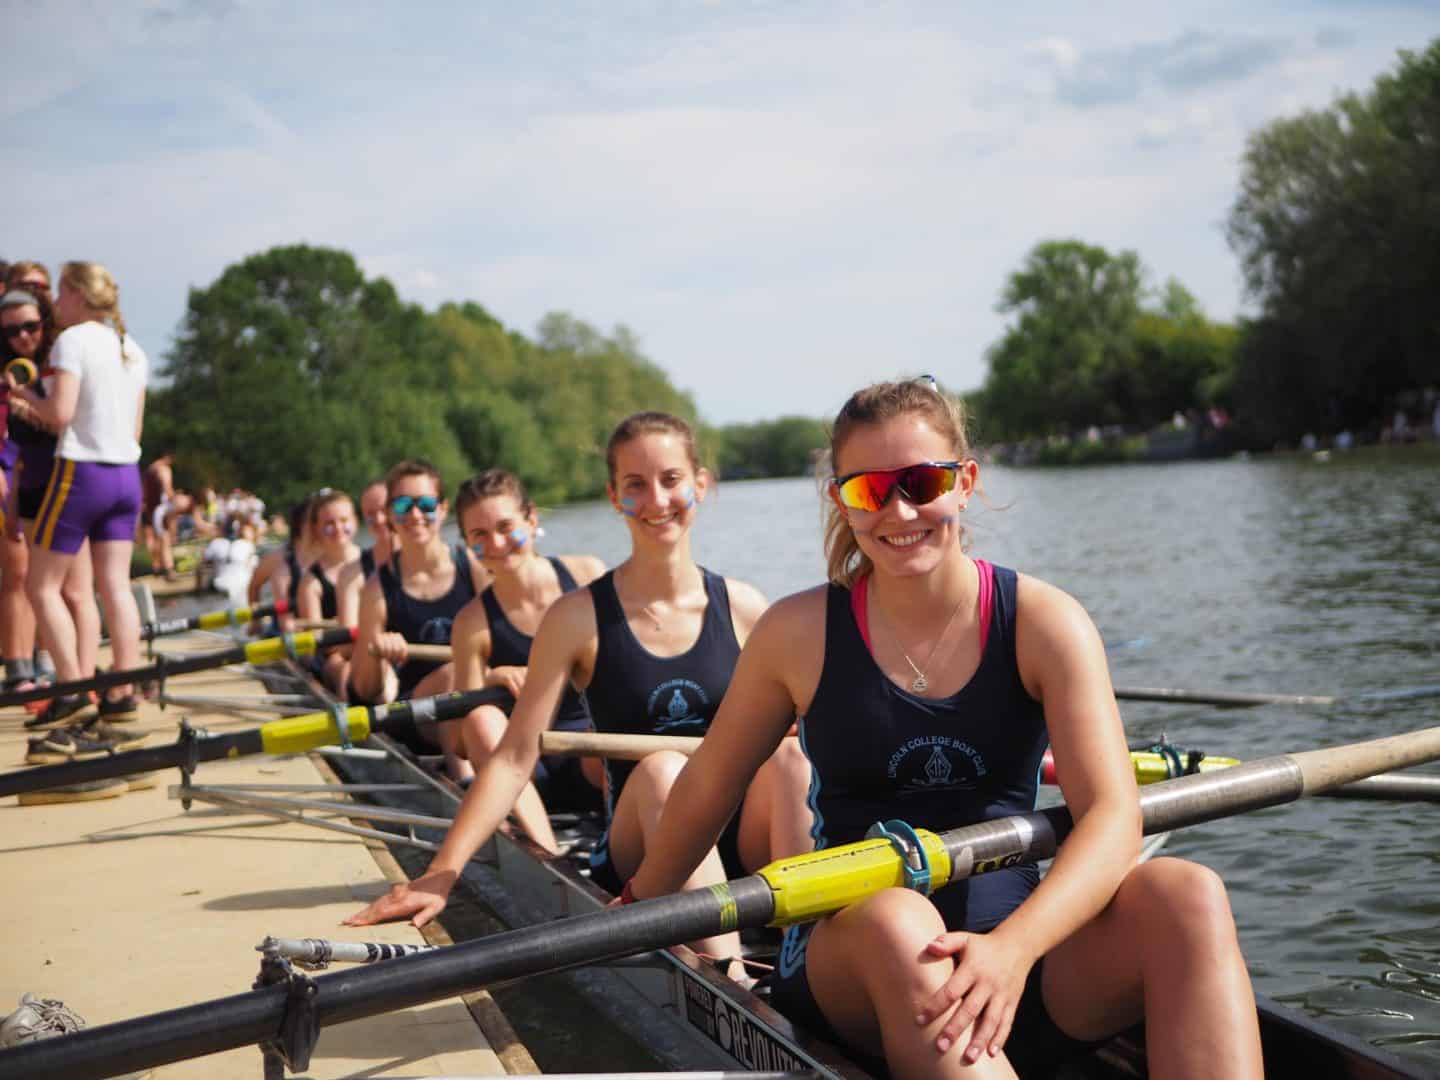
(628, 506)
(519, 537)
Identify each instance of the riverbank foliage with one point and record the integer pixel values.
(1337, 226)
(294, 370)
(1092, 347)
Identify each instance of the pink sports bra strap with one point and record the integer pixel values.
(984, 603)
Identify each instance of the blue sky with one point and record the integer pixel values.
(783, 201)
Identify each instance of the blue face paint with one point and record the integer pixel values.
(627, 507)
(478, 549)
(519, 538)
(690, 498)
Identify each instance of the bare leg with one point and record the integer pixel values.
(79, 592)
(480, 733)
(870, 975)
(775, 819)
(52, 616)
(111, 560)
(17, 620)
(1165, 946)
(440, 681)
(637, 817)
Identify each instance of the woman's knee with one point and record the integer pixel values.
(656, 773)
(895, 923)
(483, 728)
(1180, 900)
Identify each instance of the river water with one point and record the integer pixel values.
(1286, 576)
(1282, 575)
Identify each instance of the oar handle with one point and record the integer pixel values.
(617, 746)
(438, 653)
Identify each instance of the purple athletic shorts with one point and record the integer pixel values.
(87, 499)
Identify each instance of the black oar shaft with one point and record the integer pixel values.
(1222, 698)
(242, 1019)
(245, 1019)
(127, 762)
(213, 620)
(295, 734)
(166, 666)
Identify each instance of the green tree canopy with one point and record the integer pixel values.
(1337, 225)
(1088, 345)
(293, 370)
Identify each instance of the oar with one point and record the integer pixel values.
(1223, 698)
(1151, 766)
(414, 651)
(213, 620)
(264, 651)
(793, 890)
(1236, 700)
(293, 735)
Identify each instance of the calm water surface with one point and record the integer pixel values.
(1279, 576)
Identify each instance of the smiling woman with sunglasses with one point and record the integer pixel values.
(27, 332)
(414, 599)
(929, 685)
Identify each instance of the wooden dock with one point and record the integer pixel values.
(131, 905)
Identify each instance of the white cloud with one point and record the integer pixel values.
(780, 202)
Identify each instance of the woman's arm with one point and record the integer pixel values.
(55, 412)
(1062, 664)
(758, 709)
(499, 781)
(583, 568)
(140, 415)
(747, 604)
(367, 672)
(348, 584)
(308, 597)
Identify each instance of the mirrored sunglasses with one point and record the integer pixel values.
(871, 489)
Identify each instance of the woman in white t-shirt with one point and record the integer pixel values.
(97, 400)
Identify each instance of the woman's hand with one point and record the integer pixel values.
(390, 646)
(990, 973)
(507, 678)
(419, 901)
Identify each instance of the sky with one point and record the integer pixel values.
(784, 201)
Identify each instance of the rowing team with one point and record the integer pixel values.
(920, 684)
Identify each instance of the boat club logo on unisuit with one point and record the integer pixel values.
(677, 703)
(436, 631)
(935, 762)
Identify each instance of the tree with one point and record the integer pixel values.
(1337, 225)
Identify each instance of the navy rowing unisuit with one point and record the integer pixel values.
(878, 752)
(329, 601)
(560, 781)
(424, 622)
(633, 691)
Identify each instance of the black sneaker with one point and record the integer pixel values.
(65, 708)
(74, 743)
(120, 710)
(122, 738)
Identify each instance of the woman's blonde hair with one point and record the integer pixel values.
(845, 563)
(97, 288)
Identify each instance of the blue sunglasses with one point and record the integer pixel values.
(427, 504)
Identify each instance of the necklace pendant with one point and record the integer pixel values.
(920, 685)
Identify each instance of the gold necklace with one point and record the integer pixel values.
(920, 684)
